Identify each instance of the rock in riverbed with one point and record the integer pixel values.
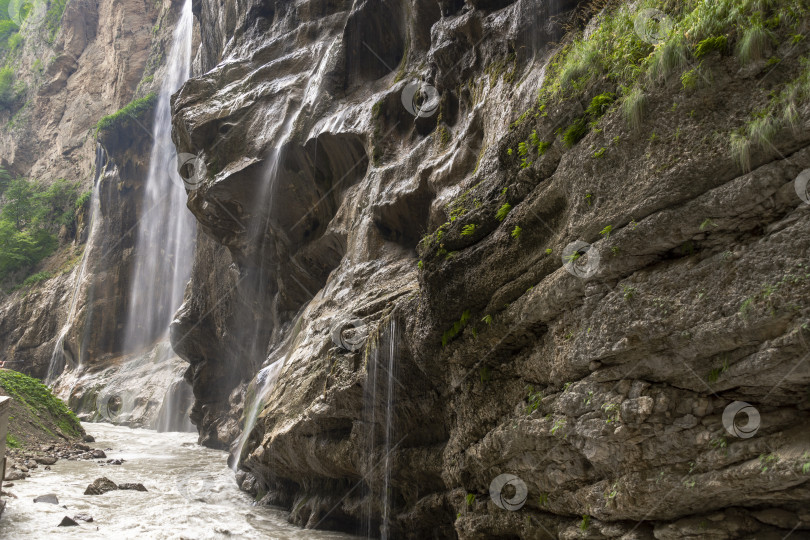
(50, 498)
(83, 517)
(132, 486)
(100, 486)
(103, 485)
(67, 522)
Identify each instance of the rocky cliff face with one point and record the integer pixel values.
(581, 310)
(101, 58)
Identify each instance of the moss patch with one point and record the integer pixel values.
(36, 414)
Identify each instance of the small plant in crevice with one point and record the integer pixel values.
(503, 211)
(575, 132)
(456, 329)
(767, 461)
(485, 373)
(707, 223)
(611, 412)
(589, 199)
(470, 499)
(542, 499)
(606, 231)
(487, 320)
(628, 292)
(534, 398)
(558, 425)
(585, 523)
(468, 230)
(516, 232)
(549, 251)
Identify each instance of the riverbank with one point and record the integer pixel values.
(190, 494)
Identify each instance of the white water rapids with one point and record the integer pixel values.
(191, 495)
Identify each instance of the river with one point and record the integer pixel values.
(191, 495)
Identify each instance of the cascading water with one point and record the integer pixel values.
(166, 230)
(57, 363)
(379, 408)
(146, 387)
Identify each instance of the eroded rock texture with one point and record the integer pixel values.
(602, 391)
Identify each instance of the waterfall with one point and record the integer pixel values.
(57, 363)
(166, 231)
(378, 416)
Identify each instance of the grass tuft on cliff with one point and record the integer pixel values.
(134, 109)
(37, 415)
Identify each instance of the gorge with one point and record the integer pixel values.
(424, 268)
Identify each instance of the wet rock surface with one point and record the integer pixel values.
(602, 391)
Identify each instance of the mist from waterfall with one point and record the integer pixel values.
(166, 230)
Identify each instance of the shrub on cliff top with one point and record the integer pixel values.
(38, 399)
(134, 109)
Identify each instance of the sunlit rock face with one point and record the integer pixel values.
(599, 382)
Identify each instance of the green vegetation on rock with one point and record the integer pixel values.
(134, 109)
(43, 407)
(31, 217)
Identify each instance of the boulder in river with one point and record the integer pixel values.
(67, 522)
(45, 460)
(13, 476)
(132, 486)
(83, 517)
(50, 498)
(89, 438)
(99, 454)
(100, 486)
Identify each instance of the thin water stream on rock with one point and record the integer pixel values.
(191, 495)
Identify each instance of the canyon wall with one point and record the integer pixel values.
(578, 315)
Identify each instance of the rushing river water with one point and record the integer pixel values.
(191, 495)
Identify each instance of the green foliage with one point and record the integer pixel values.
(634, 107)
(37, 278)
(468, 230)
(716, 43)
(516, 232)
(30, 220)
(599, 153)
(606, 231)
(11, 92)
(135, 109)
(585, 523)
(470, 499)
(503, 211)
(600, 104)
(575, 132)
(53, 17)
(534, 398)
(11, 442)
(39, 400)
(456, 329)
(487, 320)
(754, 42)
